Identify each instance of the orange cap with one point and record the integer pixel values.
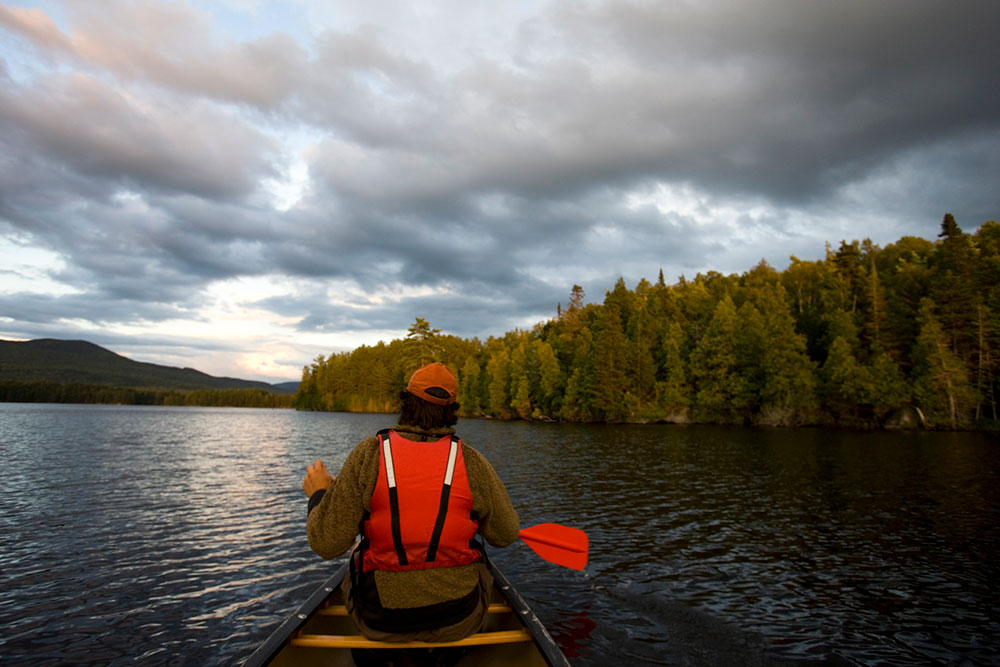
(431, 377)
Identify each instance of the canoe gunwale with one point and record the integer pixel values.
(277, 640)
(543, 640)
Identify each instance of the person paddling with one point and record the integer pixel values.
(419, 497)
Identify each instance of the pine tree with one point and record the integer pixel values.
(549, 376)
(850, 274)
(952, 290)
(751, 366)
(576, 298)
(498, 368)
(610, 359)
(889, 390)
(844, 382)
(875, 296)
(520, 380)
(422, 346)
(674, 391)
(580, 388)
(788, 384)
(468, 387)
(987, 280)
(940, 385)
(720, 390)
(522, 398)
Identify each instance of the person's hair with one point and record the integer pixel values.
(415, 411)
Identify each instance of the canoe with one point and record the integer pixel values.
(321, 633)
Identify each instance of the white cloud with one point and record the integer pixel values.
(268, 180)
(29, 269)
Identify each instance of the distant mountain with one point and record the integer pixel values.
(51, 360)
(286, 387)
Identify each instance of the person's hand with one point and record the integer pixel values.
(317, 477)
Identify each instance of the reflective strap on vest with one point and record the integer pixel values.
(390, 476)
(443, 507)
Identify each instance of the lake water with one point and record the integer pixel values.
(141, 535)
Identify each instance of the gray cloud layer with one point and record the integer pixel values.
(141, 145)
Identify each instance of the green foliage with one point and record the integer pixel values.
(941, 385)
(421, 346)
(787, 385)
(610, 382)
(848, 339)
(76, 392)
(721, 391)
(468, 386)
(674, 391)
(845, 384)
(499, 392)
(889, 390)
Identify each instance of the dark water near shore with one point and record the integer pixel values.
(134, 535)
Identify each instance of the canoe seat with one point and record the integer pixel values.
(359, 641)
(341, 610)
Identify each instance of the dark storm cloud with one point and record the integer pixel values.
(790, 98)
(614, 139)
(475, 311)
(41, 310)
(81, 123)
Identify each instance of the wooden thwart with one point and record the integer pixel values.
(358, 641)
(341, 610)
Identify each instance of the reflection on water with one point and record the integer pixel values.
(176, 536)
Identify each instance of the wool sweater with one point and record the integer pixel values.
(336, 513)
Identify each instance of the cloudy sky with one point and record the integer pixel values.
(238, 186)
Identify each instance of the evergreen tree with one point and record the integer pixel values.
(610, 359)
(751, 367)
(804, 282)
(952, 289)
(422, 345)
(468, 387)
(987, 280)
(721, 393)
(499, 396)
(576, 299)
(581, 387)
(845, 384)
(940, 386)
(522, 398)
(520, 382)
(850, 275)
(788, 385)
(889, 390)
(549, 376)
(875, 297)
(674, 391)
(861, 314)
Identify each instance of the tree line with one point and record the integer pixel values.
(76, 392)
(862, 337)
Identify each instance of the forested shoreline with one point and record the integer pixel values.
(77, 392)
(867, 336)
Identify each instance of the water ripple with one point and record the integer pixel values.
(160, 536)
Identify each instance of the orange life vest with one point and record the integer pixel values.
(421, 510)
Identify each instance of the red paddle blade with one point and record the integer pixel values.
(558, 544)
